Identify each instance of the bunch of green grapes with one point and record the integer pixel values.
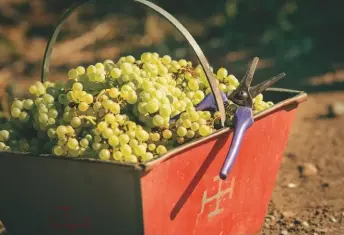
(120, 111)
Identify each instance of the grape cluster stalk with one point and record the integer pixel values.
(117, 111)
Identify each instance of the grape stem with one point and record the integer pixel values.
(89, 118)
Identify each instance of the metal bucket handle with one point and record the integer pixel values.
(203, 61)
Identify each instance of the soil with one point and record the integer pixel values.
(309, 194)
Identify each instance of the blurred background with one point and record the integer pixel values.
(301, 38)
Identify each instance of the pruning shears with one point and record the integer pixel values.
(242, 97)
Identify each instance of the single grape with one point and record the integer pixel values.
(181, 131)
(76, 122)
(104, 154)
(4, 135)
(161, 149)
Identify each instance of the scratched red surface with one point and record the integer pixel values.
(183, 195)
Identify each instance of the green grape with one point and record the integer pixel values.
(97, 105)
(130, 158)
(194, 126)
(180, 140)
(77, 86)
(58, 150)
(126, 150)
(2, 145)
(167, 134)
(132, 97)
(4, 135)
(155, 137)
(15, 112)
(61, 130)
(222, 73)
(181, 131)
(91, 69)
(158, 120)
(104, 154)
(117, 155)
(190, 134)
(139, 150)
(147, 156)
(24, 116)
(187, 123)
(73, 73)
(151, 147)
(76, 122)
(193, 85)
(133, 143)
(165, 110)
(17, 104)
(142, 135)
(124, 139)
(80, 70)
(83, 106)
(114, 92)
(107, 133)
(102, 126)
(161, 149)
(33, 89)
(204, 130)
(73, 143)
(28, 104)
(84, 142)
(153, 105)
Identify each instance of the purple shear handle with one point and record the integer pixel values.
(243, 120)
(207, 103)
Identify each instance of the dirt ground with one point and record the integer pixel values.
(309, 194)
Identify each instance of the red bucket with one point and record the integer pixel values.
(178, 193)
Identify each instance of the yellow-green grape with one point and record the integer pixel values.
(147, 156)
(204, 130)
(181, 131)
(84, 142)
(124, 139)
(104, 154)
(115, 73)
(182, 63)
(117, 155)
(77, 86)
(83, 106)
(15, 112)
(166, 59)
(221, 73)
(167, 134)
(4, 135)
(155, 137)
(73, 143)
(73, 73)
(126, 150)
(81, 70)
(140, 150)
(161, 149)
(76, 122)
(130, 158)
(232, 80)
(33, 89)
(58, 150)
(151, 147)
